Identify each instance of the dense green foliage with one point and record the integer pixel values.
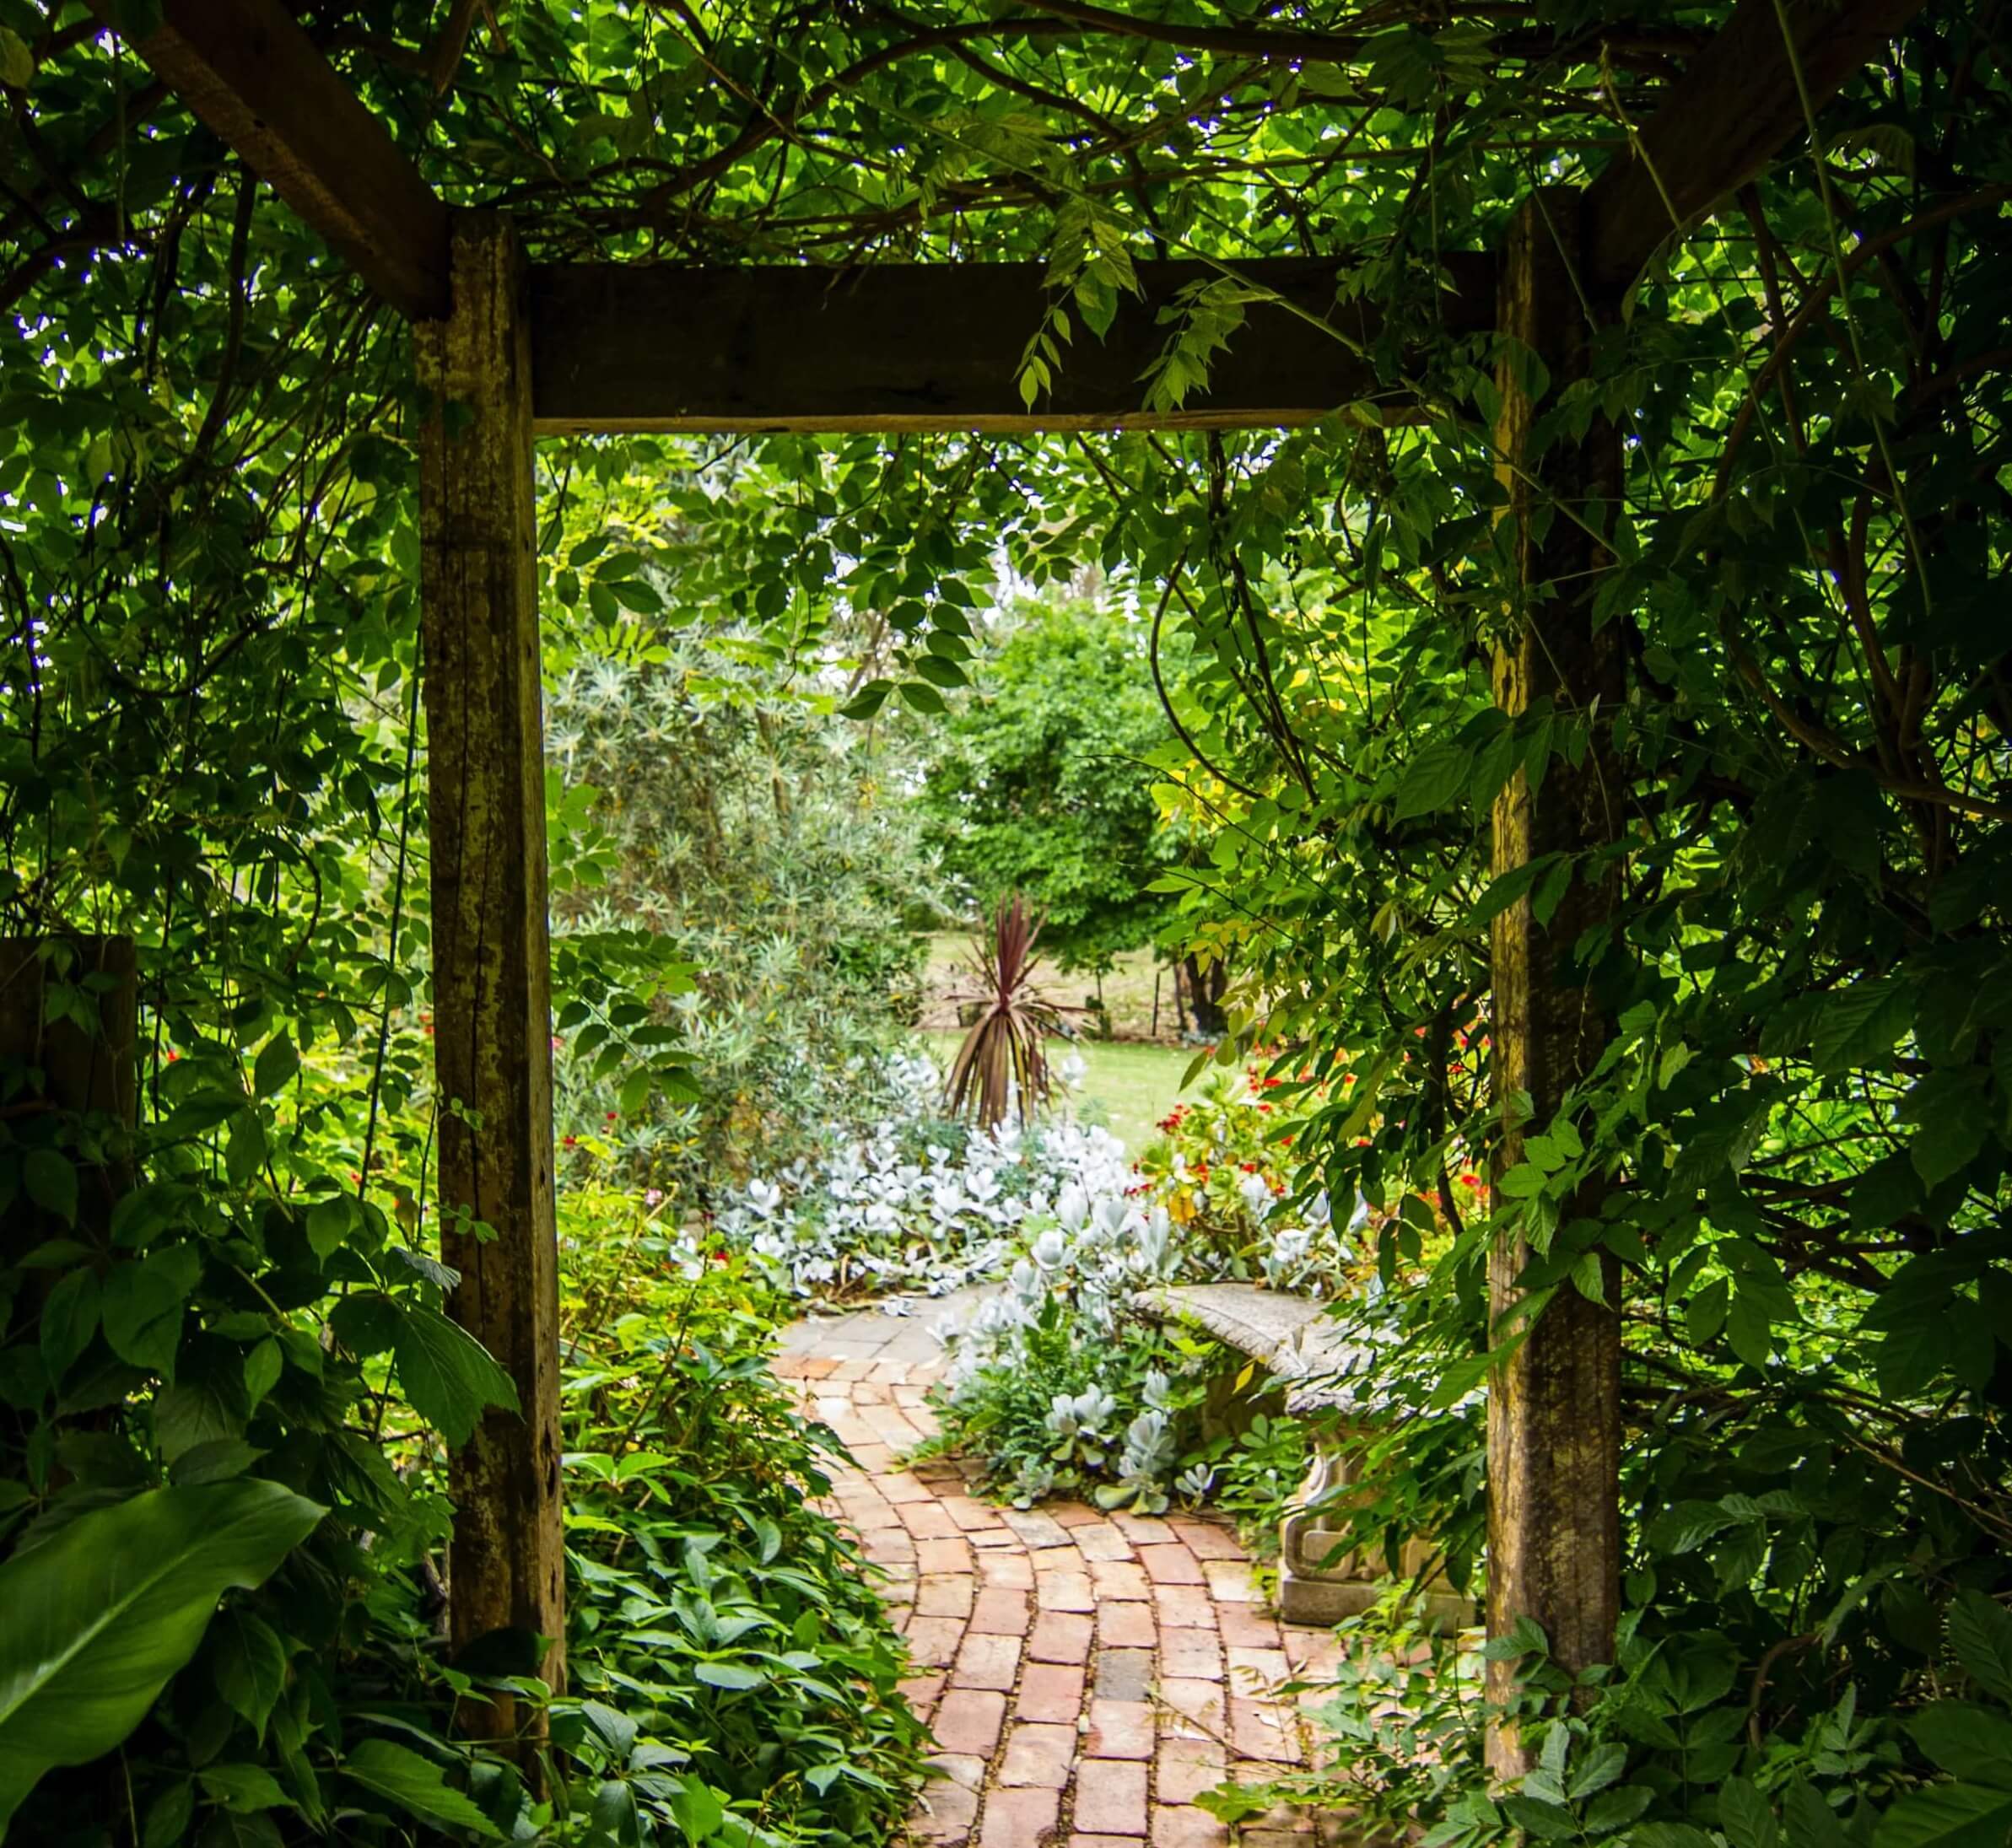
(777, 852)
(729, 1652)
(1055, 1387)
(1038, 787)
(1800, 1133)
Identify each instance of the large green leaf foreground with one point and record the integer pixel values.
(100, 1617)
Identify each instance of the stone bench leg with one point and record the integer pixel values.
(1320, 1585)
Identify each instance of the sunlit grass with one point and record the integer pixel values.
(1130, 1086)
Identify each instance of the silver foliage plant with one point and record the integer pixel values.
(916, 1204)
(1075, 1267)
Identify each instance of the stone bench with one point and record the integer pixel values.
(1318, 1365)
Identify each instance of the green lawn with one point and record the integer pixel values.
(1128, 989)
(1132, 1084)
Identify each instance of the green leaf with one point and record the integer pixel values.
(278, 1060)
(239, 1829)
(69, 1320)
(263, 1365)
(142, 1311)
(416, 1786)
(1433, 778)
(1859, 1025)
(51, 1182)
(1980, 1631)
(1504, 891)
(1704, 1315)
(1947, 1816)
(1547, 1822)
(614, 1813)
(366, 1323)
(1748, 1330)
(16, 61)
(99, 1621)
(1616, 1808)
(923, 698)
(1601, 1766)
(243, 1787)
(447, 1374)
(187, 1415)
(1952, 1118)
(868, 701)
(729, 1674)
(169, 1816)
(940, 672)
(1687, 1525)
(1968, 1742)
(1746, 1815)
(697, 1809)
(1458, 1379)
(331, 1221)
(248, 1662)
(1807, 1819)
(216, 1460)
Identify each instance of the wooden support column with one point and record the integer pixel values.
(1554, 1426)
(80, 1071)
(491, 973)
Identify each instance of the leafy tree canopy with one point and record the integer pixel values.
(1803, 1122)
(1041, 785)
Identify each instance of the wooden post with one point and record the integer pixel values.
(1554, 1424)
(491, 973)
(79, 1071)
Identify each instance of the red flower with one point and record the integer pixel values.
(611, 1116)
(572, 1142)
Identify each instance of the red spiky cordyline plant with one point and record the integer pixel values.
(1003, 1059)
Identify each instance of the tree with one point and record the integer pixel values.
(1038, 785)
(768, 841)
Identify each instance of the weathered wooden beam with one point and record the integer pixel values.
(891, 346)
(1736, 107)
(492, 1012)
(77, 1070)
(1554, 1407)
(254, 77)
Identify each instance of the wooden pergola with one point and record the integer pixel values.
(518, 350)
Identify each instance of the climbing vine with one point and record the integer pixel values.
(207, 646)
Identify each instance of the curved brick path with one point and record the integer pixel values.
(1085, 1674)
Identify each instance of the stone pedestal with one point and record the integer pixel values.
(1317, 1368)
(1319, 1583)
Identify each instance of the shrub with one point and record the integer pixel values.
(919, 1202)
(729, 1657)
(1057, 1389)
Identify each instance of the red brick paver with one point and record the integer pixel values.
(1085, 1675)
